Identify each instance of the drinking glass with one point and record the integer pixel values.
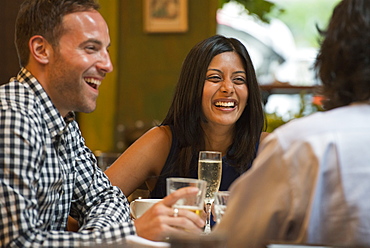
(209, 170)
(139, 206)
(220, 204)
(194, 203)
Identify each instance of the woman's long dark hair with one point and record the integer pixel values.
(343, 63)
(186, 114)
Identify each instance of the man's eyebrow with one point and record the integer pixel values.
(98, 42)
(95, 41)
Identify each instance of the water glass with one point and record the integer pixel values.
(194, 203)
(220, 204)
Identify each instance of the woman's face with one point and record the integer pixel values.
(225, 90)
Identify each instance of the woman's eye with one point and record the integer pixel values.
(214, 78)
(239, 80)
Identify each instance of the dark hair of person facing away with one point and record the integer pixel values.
(343, 62)
(186, 114)
(44, 18)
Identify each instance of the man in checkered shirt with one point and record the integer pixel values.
(46, 170)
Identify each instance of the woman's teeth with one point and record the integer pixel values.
(225, 104)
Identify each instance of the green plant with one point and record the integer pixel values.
(306, 107)
(259, 8)
(274, 121)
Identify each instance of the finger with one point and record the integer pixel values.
(184, 223)
(178, 194)
(177, 229)
(199, 221)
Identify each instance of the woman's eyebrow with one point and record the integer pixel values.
(235, 72)
(215, 70)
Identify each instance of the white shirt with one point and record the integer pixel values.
(310, 183)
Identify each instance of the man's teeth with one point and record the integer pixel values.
(93, 81)
(225, 104)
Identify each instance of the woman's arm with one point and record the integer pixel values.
(143, 159)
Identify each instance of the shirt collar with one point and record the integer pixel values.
(56, 123)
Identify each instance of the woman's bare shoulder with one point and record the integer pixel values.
(263, 136)
(159, 133)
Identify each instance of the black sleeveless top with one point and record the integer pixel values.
(229, 173)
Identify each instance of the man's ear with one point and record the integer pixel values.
(40, 49)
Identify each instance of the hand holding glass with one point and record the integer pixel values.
(193, 203)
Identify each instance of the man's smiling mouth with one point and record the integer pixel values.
(92, 82)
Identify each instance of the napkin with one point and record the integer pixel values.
(139, 242)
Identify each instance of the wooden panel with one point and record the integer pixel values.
(146, 68)
(98, 127)
(149, 64)
(9, 65)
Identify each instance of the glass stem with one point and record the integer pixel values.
(207, 228)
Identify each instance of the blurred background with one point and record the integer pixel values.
(150, 39)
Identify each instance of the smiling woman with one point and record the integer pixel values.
(225, 91)
(216, 106)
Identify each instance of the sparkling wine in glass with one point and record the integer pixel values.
(209, 170)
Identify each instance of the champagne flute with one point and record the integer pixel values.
(209, 170)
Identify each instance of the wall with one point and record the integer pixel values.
(146, 69)
(9, 65)
(146, 66)
(98, 128)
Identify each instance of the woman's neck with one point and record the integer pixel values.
(217, 138)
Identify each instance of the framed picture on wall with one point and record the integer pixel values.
(165, 16)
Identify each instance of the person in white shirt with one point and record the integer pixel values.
(310, 182)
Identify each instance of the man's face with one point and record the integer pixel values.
(79, 63)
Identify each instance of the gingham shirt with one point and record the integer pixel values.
(47, 172)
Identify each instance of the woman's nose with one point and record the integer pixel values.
(227, 86)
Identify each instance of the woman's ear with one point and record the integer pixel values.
(40, 49)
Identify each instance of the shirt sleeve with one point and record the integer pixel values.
(266, 203)
(96, 203)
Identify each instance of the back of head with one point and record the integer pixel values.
(343, 62)
(44, 17)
